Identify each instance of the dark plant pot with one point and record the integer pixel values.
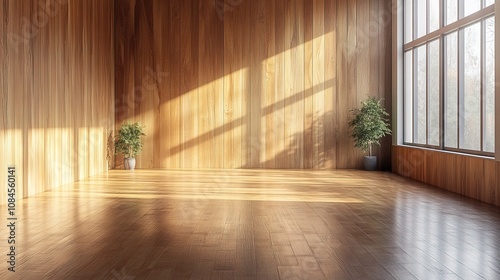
(129, 163)
(370, 163)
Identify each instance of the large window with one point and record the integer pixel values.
(449, 75)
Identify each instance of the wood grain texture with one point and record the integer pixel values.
(294, 83)
(329, 122)
(218, 224)
(278, 108)
(345, 90)
(174, 62)
(259, 83)
(319, 83)
(470, 176)
(189, 80)
(3, 88)
(210, 81)
(162, 18)
(256, 99)
(270, 102)
(385, 69)
(308, 155)
(57, 79)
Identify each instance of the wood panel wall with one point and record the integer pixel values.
(250, 84)
(57, 91)
(474, 177)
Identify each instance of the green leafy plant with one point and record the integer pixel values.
(370, 123)
(128, 140)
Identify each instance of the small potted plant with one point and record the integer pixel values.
(369, 124)
(128, 142)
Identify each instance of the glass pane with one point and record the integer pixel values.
(471, 118)
(408, 98)
(489, 91)
(421, 18)
(433, 15)
(451, 11)
(471, 6)
(420, 122)
(408, 21)
(489, 2)
(433, 102)
(451, 92)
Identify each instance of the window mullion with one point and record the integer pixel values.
(482, 79)
(461, 85)
(415, 73)
(415, 95)
(442, 53)
(427, 78)
(461, 76)
(427, 92)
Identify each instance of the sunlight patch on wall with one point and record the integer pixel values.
(36, 154)
(83, 154)
(12, 155)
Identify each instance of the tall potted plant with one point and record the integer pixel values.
(128, 142)
(369, 124)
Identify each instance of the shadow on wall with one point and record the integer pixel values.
(267, 85)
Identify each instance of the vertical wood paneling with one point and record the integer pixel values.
(279, 93)
(124, 66)
(3, 88)
(246, 95)
(206, 83)
(232, 59)
(236, 84)
(161, 20)
(257, 83)
(470, 176)
(83, 131)
(210, 71)
(385, 70)
(319, 83)
(269, 68)
(217, 39)
(189, 84)
(57, 79)
(363, 58)
(16, 59)
(474, 177)
(261, 84)
(173, 133)
(496, 191)
(433, 161)
(288, 73)
(294, 83)
(24, 97)
(146, 80)
(362, 51)
(333, 83)
(344, 89)
(373, 31)
(490, 174)
(308, 86)
(36, 139)
(348, 156)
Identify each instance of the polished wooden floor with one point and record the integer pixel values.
(253, 224)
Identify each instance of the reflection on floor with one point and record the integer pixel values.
(253, 224)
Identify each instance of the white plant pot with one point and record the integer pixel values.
(370, 163)
(129, 163)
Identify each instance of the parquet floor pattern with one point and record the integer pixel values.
(253, 224)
